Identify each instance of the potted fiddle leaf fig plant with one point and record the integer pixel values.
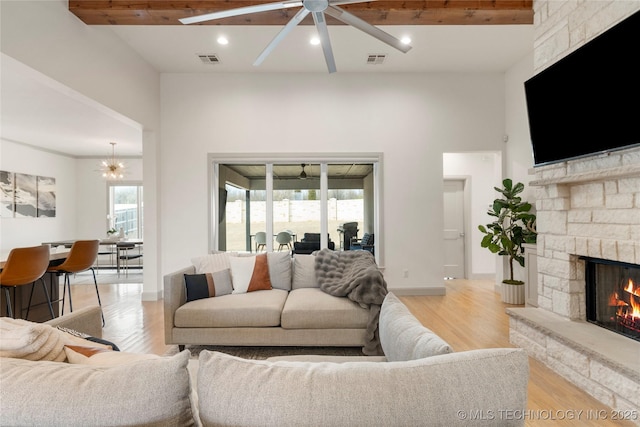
(514, 226)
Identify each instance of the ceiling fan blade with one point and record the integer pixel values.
(302, 13)
(339, 2)
(348, 18)
(323, 33)
(241, 11)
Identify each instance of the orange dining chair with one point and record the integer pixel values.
(82, 256)
(25, 266)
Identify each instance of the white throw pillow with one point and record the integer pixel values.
(250, 274)
(304, 272)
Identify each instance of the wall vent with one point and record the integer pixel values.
(376, 59)
(210, 59)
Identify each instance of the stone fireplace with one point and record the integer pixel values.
(613, 296)
(587, 209)
(588, 212)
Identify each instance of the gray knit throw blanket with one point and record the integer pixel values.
(355, 275)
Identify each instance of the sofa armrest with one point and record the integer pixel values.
(87, 320)
(175, 295)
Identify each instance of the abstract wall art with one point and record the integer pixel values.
(27, 196)
(7, 191)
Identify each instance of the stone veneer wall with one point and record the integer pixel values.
(587, 207)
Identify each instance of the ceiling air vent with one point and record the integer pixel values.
(209, 59)
(376, 59)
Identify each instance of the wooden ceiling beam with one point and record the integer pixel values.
(383, 12)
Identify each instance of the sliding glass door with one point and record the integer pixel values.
(258, 202)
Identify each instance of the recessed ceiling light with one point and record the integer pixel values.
(406, 40)
(223, 40)
(315, 41)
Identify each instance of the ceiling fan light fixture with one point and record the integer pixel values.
(318, 9)
(406, 40)
(315, 40)
(303, 174)
(223, 40)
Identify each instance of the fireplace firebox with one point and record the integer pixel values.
(613, 295)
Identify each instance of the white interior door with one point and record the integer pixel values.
(454, 232)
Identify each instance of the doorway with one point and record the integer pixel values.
(454, 229)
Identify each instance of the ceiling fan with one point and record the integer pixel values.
(318, 9)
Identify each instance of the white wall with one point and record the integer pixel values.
(518, 151)
(90, 59)
(95, 62)
(411, 118)
(16, 232)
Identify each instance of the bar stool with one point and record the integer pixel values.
(25, 266)
(82, 257)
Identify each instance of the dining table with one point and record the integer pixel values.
(119, 243)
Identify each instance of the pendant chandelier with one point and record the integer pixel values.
(112, 168)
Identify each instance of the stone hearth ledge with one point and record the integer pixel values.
(603, 363)
(616, 351)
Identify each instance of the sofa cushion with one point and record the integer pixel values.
(403, 337)
(149, 392)
(304, 272)
(253, 309)
(430, 391)
(208, 285)
(280, 270)
(325, 358)
(211, 263)
(311, 308)
(250, 274)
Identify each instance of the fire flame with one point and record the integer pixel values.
(636, 308)
(632, 289)
(631, 309)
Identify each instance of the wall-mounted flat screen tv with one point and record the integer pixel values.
(589, 101)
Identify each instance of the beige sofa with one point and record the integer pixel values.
(419, 382)
(295, 312)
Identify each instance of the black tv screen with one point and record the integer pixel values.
(589, 101)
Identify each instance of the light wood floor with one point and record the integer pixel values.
(470, 316)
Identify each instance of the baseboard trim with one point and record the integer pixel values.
(484, 276)
(151, 296)
(429, 291)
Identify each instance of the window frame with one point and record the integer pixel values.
(140, 203)
(269, 159)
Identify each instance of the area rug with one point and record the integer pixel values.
(266, 352)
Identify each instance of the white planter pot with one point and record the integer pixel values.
(512, 294)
